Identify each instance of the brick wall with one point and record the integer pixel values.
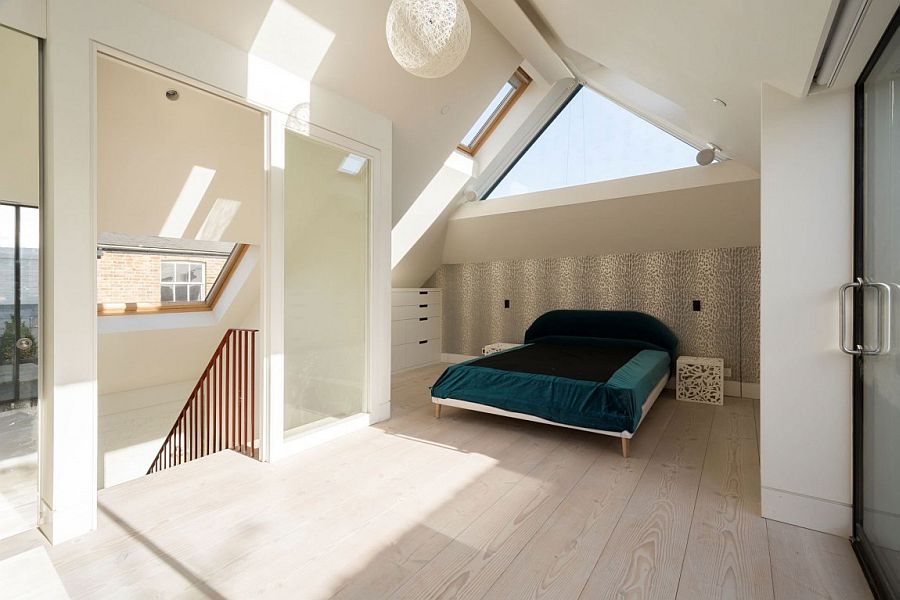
(132, 277)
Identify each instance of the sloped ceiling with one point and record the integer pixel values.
(429, 115)
(692, 52)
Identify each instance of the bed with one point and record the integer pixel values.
(597, 371)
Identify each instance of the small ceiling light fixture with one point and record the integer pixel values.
(172, 95)
(720, 102)
(707, 155)
(428, 38)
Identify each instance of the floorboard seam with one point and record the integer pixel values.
(769, 554)
(630, 496)
(538, 529)
(694, 508)
(412, 575)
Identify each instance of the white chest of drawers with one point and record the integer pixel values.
(415, 327)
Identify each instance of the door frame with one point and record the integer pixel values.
(870, 566)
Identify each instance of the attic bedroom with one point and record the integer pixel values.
(449, 299)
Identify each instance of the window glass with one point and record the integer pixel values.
(147, 271)
(495, 111)
(593, 139)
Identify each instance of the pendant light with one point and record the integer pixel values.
(428, 38)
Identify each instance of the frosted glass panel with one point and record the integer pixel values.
(326, 199)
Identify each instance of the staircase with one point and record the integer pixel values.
(220, 413)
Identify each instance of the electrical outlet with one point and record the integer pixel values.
(696, 305)
(506, 304)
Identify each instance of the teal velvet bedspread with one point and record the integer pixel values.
(615, 405)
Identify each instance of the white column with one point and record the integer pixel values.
(806, 233)
(69, 375)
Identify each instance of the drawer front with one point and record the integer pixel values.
(423, 352)
(424, 309)
(415, 330)
(413, 298)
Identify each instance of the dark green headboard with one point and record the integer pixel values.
(610, 324)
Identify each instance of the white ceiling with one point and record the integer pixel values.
(352, 59)
(691, 52)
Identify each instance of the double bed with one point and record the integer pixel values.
(597, 371)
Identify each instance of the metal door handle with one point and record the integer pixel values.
(884, 317)
(843, 310)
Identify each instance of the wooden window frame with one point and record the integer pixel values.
(142, 308)
(524, 80)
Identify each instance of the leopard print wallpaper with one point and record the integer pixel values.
(663, 284)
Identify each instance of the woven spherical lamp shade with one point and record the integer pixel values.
(428, 38)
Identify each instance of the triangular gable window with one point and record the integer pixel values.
(592, 139)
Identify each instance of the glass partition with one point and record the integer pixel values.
(326, 232)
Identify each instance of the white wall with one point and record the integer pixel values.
(29, 16)
(340, 45)
(19, 120)
(711, 207)
(192, 168)
(69, 370)
(807, 215)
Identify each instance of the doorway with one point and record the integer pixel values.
(876, 294)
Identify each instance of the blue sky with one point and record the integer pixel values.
(594, 139)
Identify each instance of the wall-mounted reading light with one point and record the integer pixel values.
(172, 95)
(707, 155)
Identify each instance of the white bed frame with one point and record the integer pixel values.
(625, 435)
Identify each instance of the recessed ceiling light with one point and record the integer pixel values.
(352, 164)
(172, 95)
(720, 102)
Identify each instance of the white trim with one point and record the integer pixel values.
(455, 358)
(624, 187)
(731, 388)
(750, 390)
(325, 433)
(648, 404)
(828, 516)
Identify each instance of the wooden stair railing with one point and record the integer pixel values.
(220, 413)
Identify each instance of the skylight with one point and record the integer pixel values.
(593, 139)
(494, 113)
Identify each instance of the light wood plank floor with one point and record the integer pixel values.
(467, 506)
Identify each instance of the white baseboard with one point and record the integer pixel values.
(827, 516)
(456, 358)
(380, 413)
(320, 435)
(732, 388)
(750, 390)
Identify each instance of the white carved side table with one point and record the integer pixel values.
(700, 379)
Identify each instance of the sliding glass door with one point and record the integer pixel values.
(876, 330)
(19, 234)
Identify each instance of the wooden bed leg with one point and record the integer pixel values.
(626, 445)
(437, 410)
